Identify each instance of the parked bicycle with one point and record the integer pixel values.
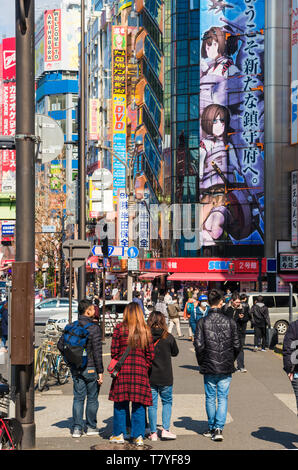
(49, 362)
(11, 431)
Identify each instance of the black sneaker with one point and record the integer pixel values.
(208, 433)
(217, 436)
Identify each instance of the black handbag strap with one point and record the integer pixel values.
(122, 358)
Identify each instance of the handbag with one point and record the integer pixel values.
(115, 365)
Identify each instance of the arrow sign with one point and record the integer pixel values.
(113, 250)
(132, 252)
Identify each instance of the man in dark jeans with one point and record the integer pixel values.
(240, 313)
(86, 382)
(260, 319)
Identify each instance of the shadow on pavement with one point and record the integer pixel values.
(286, 439)
(191, 424)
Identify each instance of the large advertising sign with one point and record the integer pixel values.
(294, 72)
(231, 165)
(52, 23)
(119, 38)
(9, 58)
(57, 36)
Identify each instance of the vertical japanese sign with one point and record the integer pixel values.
(144, 222)
(119, 38)
(294, 72)
(94, 119)
(294, 208)
(123, 222)
(52, 48)
(8, 161)
(231, 164)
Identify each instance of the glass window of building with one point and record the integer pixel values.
(57, 102)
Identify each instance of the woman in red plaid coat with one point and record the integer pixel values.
(132, 382)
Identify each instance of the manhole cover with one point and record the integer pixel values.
(126, 446)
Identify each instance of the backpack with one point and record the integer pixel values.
(75, 338)
(189, 308)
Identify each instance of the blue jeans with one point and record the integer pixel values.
(166, 395)
(85, 385)
(121, 418)
(217, 386)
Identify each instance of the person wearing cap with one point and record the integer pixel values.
(200, 310)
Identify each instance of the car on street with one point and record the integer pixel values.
(113, 314)
(278, 306)
(52, 306)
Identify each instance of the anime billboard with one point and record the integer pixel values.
(231, 169)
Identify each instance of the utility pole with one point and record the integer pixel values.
(82, 164)
(23, 371)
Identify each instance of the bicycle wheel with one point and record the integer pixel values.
(39, 358)
(43, 374)
(62, 371)
(5, 443)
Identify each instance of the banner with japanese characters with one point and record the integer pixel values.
(119, 59)
(123, 219)
(231, 167)
(8, 164)
(294, 208)
(144, 222)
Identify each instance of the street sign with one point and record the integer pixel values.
(102, 178)
(113, 250)
(51, 138)
(133, 264)
(77, 250)
(132, 252)
(48, 229)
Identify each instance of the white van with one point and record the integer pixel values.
(278, 306)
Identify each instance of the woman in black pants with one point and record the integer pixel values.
(290, 356)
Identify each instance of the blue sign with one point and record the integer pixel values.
(271, 265)
(113, 250)
(132, 252)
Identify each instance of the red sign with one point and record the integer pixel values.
(9, 58)
(202, 265)
(52, 49)
(9, 124)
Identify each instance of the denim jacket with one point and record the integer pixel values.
(195, 316)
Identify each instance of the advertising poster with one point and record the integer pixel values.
(52, 32)
(8, 164)
(119, 59)
(231, 168)
(93, 119)
(294, 208)
(294, 72)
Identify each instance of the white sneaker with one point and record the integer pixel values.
(167, 435)
(117, 439)
(138, 441)
(93, 431)
(76, 433)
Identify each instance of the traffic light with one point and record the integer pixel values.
(105, 242)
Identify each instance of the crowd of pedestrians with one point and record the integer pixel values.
(217, 328)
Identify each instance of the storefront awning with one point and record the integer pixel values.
(151, 275)
(212, 277)
(289, 277)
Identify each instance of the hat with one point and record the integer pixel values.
(203, 297)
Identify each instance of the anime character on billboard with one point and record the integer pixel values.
(225, 212)
(217, 66)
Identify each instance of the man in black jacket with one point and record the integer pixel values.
(86, 382)
(217, 345)
(240, 313)
(290, 356)
(260, 319)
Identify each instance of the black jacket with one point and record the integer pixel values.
(161, 372)
(260, 315)
(94, 344)
(216, 343)
(234, 313)
(290, 348)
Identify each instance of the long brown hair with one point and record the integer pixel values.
(210, 113)
(158, 320)
(139, 334)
